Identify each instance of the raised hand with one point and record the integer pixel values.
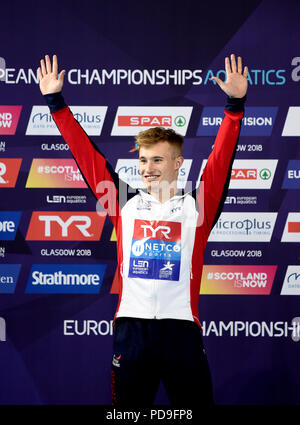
(236, 83)
(50, 82)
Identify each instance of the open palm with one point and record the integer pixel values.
(50, 82)
(236, 83)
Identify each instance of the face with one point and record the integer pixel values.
(159, 165)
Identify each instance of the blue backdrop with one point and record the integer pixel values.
(55, 348)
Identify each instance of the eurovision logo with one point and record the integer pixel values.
(9, 171)
(155, 250)
(237, 280)
(257, 121)
(130, 120)
(9, 118)
(292, 175)
(41, 123)
(291, 232)
(250, 173)
(55, 172)
(65, 225)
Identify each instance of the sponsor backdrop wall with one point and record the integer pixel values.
(131, 65)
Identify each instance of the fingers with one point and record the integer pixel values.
(239, 66)
(227, 66)
(232, 66)
(48, 64)
(43, 67)
(55, 65)
(233, 63)
(218, 81)
(40, 75)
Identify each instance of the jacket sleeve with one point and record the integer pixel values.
(215, 178)
(97, 172)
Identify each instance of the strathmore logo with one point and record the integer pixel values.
(9, 118)
(65, 225)
(9, 171)
(55, 172)
(65, 278)
(130, 120)
(41, 123)
(250, 173)
(241, 280)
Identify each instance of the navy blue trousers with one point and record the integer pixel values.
(147, 351)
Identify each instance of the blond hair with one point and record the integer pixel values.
(154, 135)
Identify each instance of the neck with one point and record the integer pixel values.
(164, 193)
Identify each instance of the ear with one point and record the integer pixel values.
(179, 161)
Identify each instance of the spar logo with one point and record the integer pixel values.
(155, 250)
(291, 283)
(130, 120)
(65, 279)
(9, 118)
(257, 121)
(292, 122)
(128, 171)
(55, 172)
(65, 225)
(41, 123)
(9, 222)
(250, 173)
(9, 274)
(240, 280)
(9, 171)
(291, 232)
(292, 175)
(243, 227)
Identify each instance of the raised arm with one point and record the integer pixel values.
(217, 172)
(97, 172)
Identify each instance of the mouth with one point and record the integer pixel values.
(151, 177)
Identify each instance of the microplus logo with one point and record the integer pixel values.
(257, 121)
(65, 279)
(243, 227)
(41, 122)
(128, 171)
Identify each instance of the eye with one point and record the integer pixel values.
(158, 160)
(142, 161)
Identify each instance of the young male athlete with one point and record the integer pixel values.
(161, 238)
